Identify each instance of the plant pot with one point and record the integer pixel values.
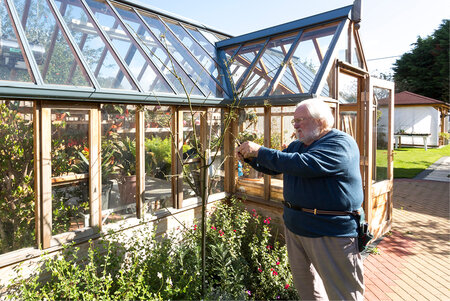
(106, 194)
(127, 190)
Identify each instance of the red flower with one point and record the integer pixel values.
(278, 262)
(274, 273)
(286, 286)
(86, 149)
(260, 270)
(212, 227)
(234, 230)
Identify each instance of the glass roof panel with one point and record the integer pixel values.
(157, 52)
(102, 62)
(50, 49)
(206, 44)
(183, 57)
(243, 59)
(12, 62)
(202, 56)
(140, 66)
(307, 59)
(209, 36)
(270, 62)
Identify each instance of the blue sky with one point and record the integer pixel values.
(388, 27)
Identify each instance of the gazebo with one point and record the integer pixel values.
(101, 100)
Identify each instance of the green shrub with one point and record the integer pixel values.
(244, 262)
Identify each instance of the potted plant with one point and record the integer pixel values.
(126, 156)
(108, 152)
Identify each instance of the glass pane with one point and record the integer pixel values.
(16, 176)
(12, 63)
(98, 56)
(210, 36)
(268, 65)
(215, 132)
(243, 59)
(202, 56)
(191, 165)
(348, 122)
(206, 44)
(118, 162)
(70, 170)
(51, 51)
(143, 70)
(251, 129)
(356, 59)
(348, 88)
(307, 59)
(381, 135)
(183, 57)
(157, 53)
(158, 159)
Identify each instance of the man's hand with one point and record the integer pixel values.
(248, 150)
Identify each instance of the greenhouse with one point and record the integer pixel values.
(115, 113)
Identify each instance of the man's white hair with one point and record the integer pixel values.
(319, 110)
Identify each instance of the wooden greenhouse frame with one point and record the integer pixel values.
(263, 71)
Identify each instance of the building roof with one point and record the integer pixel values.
(409, 98)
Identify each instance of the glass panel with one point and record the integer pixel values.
(158, 159)
(381, 135)
(215, 132)
(348, 88)
(206, 44)
(50, 49)
(207, 62)
(243, 59)
(191, 165)
(183, 57)
(268, 65)
(16, 176)
(118, 162)
(157, 53)
(142, 69)
(251, 129)
(12, 63)
(306, 61)
(98, 56)
(356, 60)
(348, 122)
(70, 170)
(210, 36)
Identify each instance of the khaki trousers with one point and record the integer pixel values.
(326, 268)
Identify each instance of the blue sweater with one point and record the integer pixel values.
(325, 175)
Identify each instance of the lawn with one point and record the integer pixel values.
(409, 162)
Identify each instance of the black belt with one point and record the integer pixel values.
(319, 211)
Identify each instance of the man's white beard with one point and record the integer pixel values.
(313, 136)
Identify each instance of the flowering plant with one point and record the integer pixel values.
(245, 261)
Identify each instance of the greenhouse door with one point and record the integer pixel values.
(380, 171)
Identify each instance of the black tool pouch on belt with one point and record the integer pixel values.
(364, 236)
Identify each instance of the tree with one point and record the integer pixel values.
(425, 69)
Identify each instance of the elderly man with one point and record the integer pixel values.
(322, 182)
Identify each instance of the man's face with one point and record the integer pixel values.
(306, 128)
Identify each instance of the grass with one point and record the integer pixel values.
(409, 162)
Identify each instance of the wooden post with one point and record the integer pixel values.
(46, 175)
(94, 169)
(37, 172)
(267, 136)
(140, 160)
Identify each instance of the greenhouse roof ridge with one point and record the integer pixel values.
(159, 11)
(331, 15)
